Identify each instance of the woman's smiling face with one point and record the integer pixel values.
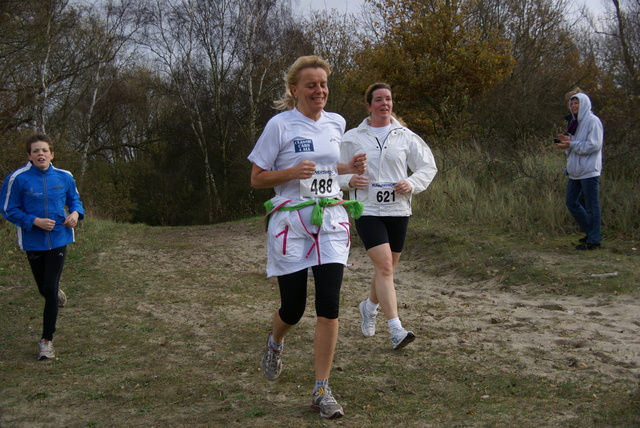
(311, 91)
(41, 155)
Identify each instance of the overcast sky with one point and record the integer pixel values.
(304, 6)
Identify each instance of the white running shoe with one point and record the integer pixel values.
(323, 401)
(62, 299)
(271, 363)
(45, 350)
(368, 321)
(401, 338)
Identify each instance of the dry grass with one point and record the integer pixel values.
(165, 327)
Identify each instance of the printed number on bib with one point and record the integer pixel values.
(382, 193)
(323, 184)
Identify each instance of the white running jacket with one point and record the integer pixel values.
(387, 163)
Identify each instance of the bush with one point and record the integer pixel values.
(519, 191)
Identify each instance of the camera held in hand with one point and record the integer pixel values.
(557, 141)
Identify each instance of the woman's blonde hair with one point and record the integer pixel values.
(292, 77)
(571, 93)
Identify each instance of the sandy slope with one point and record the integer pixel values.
(556, 337)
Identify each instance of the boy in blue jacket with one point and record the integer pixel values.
(34, 198)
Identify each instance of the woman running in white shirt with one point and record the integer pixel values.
(307, 224)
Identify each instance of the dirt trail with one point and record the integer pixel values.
(559, 338)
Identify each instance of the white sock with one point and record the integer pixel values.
(321, 384)
(394, 324)
(372, 308)
(275, 346)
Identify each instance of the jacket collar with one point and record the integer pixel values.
(364, 125)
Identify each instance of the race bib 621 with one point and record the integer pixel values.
(382, 193)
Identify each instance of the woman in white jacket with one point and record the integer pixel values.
(385, 189)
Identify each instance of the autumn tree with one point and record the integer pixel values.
(619, 89)
(436, 58)
(549, 61)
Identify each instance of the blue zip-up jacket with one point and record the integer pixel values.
(28, 193)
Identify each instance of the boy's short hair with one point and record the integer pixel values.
(35, 137)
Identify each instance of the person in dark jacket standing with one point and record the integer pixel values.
(44, 204)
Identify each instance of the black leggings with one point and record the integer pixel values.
(374, 231)
(293, 292)
(47, 267)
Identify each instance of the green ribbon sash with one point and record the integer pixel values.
(354, 207)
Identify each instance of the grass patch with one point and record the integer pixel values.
(542, 264)
(166, 326)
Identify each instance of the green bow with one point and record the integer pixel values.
(355, 208)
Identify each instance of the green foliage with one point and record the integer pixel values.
(106, 191)
(13, 154)
(162, 137)
(520, 192)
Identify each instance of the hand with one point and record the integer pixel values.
(402, 187)
(305, 169)
(565, 141)
(44, 223)
(359, 182)
(72, 220)
(358, 163)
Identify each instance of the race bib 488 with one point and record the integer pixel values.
(323, 183)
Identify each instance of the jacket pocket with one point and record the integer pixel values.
(283, 235)
(336, 230)
(286, 239)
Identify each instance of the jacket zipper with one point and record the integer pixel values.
(46, 205)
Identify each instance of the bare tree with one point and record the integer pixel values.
(549, 62)
(627, 36)
(34, 68)
(60, 57)
(172, 37)
(108, 27)
(262, 52)
(619, 33)
(337, 38)
(216, 52)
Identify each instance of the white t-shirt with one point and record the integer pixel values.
(293, 243)
(381, 132)
(290, 137)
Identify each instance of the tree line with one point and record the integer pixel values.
(155, 104)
